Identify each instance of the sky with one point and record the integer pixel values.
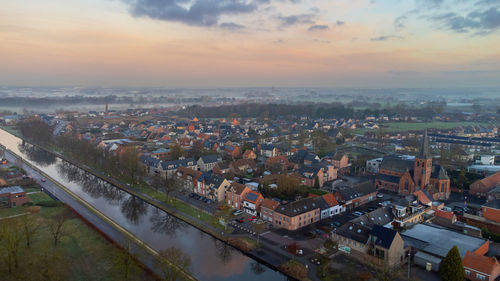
(250, 43)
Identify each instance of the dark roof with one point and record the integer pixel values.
(354, 231)
(382, 236)
(424, 147)
(298, 207)
(396, 163)
(209, 158)
(321, 202)
(388, 178)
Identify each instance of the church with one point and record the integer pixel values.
(405, 175)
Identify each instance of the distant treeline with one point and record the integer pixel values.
(112, 99)
(313, 110)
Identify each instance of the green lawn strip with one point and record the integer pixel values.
(410, 126)
(7, 212)
(39, 197)
(31, 189)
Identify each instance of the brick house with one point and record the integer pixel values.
(480, 268)
(188, 178)
(267, 208)
(340, 160)
(481, 187)
(235, 194)
(295, 215)
(251, 202)
(12, 196)
(491, 210)
(249, 154)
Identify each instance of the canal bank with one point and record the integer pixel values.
(218, 270)
(93, 217)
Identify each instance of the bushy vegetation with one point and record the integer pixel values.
(451, 267)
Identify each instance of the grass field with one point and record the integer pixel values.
(82, 253)
(39, 197)
(407, 126)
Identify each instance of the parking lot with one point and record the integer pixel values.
(246, 223)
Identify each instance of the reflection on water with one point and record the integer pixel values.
(134, 208)
(211, 259)
(162, 222)
(40, 156)
(91, 185)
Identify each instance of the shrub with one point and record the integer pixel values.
(451, 267)
(51, 203)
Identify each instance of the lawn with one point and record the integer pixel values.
(7, 212)
(410, 126)
(39, 197)
(82, 253)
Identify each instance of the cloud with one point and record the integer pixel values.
(400, 22)
(429, 4)
(386, 37)
(318, 27)
(340, 22)
(481, 22)
(290, 20)
(231, 26)
(196, 12)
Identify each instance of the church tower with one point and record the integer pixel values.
(423, 164)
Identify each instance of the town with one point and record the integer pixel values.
(381, 196)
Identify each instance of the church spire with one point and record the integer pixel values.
(424, 147)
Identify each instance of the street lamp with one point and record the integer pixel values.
(409, 262)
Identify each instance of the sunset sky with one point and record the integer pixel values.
(233, 43)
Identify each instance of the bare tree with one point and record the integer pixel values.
(126, 262)
(56, 226)
(29, 225)
(173, 264)
(10, 238)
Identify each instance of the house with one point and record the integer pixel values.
(311, 176)
(480, 268)
(354, 196)
(222, 168)
(278, 163)
(251, 202)
(212, 187)
(12, 196)
(386, 246)
(249, 154)
(243, 166)
(269, 150)
(330, 207)
(188, 178)
(235, 194)
(206, 163)
(491, 210)
(267, 208)
(352, 239)
(340, 161)
(295, 215)
(169, 168)
(161, 153)
(481, 187)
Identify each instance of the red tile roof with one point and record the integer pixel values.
(491, 181)
(269, 203)
(480, 263)
(330, 199)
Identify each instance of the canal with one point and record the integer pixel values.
(211, 258)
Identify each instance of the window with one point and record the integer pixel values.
(467, 272)
(480, 277)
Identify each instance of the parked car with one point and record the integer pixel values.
(380, 195)
(335, 224)
(191, 194)
(358, 213)
(44, 179)
(250, 219)
(240, 220)
(237, 212)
